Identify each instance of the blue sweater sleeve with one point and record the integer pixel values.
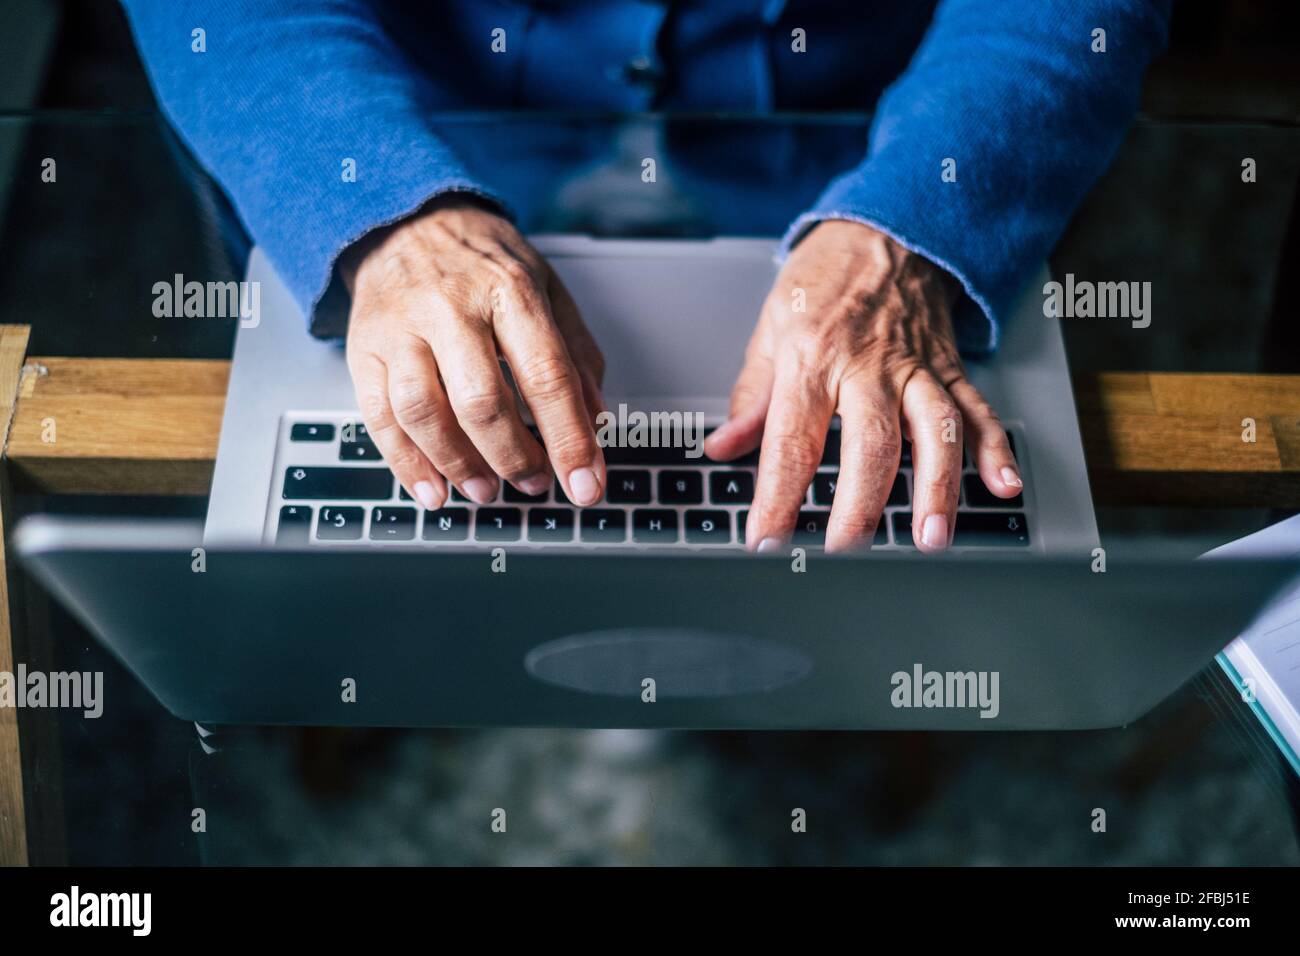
(1015, 96)
(284, 96)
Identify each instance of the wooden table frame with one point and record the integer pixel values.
(150, 427)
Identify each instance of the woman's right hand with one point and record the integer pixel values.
(436, 299)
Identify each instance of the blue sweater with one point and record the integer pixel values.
(992, 118)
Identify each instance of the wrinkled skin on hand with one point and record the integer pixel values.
(856, 325)
(436, 300)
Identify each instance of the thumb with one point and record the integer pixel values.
(743, 429)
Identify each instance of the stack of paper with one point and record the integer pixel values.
(1264, 661)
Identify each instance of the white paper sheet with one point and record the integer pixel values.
(1264, 661)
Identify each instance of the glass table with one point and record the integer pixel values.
(1197, 781)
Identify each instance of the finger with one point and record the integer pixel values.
(793, 438)
(485, 404)
(552, 389)
(421, 407)
(743, 429)
(935, 425)
(987, 441)
(871, 443)
(412, 468)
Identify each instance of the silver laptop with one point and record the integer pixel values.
(316, 593)
(296, 467)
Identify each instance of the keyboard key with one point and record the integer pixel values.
(823, 488)
(311, 431)
(741, 518)
(344, 484)
(681, 488)
(512, 494)
(628, 488)
(615, 455)
(392, 524)
(560, 496)
(603, 525)
(654, 526)
(988, 529)
(355, 443)
(404, 494)
(358, 451)
(708, 527)
(979, 496)
(446, 524)
(340, 524)
(295, 525)
(497, 524)
(903, 529)
(731, 487)
(831, 453)
(975, 529)
(898, 493)
(550, 524)
(810, 529)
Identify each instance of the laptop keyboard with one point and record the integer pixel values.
(333, 489)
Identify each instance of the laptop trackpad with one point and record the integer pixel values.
(682, 663)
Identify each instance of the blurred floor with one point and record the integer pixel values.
(647, 797)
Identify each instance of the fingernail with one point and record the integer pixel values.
(1010, 477)
(534, 484)
(768, 545)
(479, 490)
(934, 533)
(584, 488)
(427, 495)
(712, 441)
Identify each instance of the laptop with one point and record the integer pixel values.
(295, 466)
(316, 593)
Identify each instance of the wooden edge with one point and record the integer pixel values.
(118, 426)
(151, 427)
(13, 818)
(1191, 439)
